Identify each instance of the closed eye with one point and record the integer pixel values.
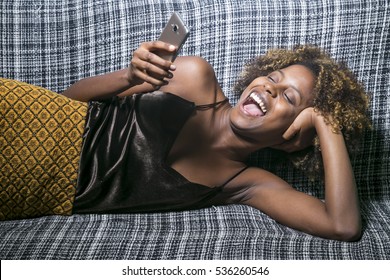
(271, 79)
(289, 100)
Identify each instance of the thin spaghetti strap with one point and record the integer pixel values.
(234, 176)
(212, 105)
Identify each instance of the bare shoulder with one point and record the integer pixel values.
(194, 63)
(260, 185)
(279, 200)
(257, 178)
(194, 79)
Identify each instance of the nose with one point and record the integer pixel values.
(269, 88)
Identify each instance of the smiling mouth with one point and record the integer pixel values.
(254, 106)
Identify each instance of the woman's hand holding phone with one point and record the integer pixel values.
(147, 66)
(150, 68)
(152, 61)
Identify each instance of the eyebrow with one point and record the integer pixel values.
(294, 87)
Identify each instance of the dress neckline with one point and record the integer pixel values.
(176, 173)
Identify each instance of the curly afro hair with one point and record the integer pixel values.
(338, 96)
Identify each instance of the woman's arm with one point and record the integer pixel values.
(338, 217)
(341, 197)
(145, 73)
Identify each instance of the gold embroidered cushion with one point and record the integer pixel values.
(40, 139)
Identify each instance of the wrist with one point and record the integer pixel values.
(321, 124)
(126, 78)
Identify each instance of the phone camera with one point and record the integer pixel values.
(175, 28)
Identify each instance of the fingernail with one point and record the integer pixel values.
(172, 47)
(172, 67)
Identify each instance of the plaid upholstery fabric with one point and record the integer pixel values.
(227, 232)
(55, 43)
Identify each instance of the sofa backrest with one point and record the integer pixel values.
(54, 43)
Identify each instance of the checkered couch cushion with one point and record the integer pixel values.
(55, 43)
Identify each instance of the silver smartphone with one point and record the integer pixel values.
(175, 33)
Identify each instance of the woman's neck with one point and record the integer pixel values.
(228, 142)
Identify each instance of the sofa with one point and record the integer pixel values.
(54, 43)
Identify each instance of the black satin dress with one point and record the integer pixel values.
(123, 165)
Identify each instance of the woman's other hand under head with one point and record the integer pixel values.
(301, 133)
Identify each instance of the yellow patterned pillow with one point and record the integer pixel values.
(40, 140)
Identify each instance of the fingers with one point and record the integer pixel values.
(300, 134)
(158, 45)
(148, 67)
(147, 49)
(288, 146)
(297, 140)
(291, 132)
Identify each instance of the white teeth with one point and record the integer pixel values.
(258, 101)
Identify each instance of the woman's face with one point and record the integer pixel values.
(269, 105)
